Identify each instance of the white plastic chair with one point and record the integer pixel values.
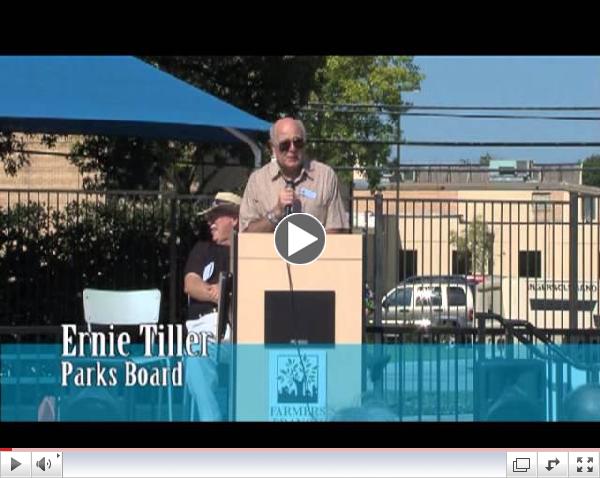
(106, 307)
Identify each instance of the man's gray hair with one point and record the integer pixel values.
(298, 123)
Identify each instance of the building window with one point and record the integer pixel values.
(589, 208)
(539, 207)
(530, 264)
(461, 263)
(407, 264)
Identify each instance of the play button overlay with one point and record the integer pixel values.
(14, 464)
(299, 239)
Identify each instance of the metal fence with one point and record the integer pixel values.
(446, 260)
(473, 296)
(534, 259)
(528, 270)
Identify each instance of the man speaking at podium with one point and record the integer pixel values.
(291, 183)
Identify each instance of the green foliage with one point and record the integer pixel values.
(591, 171)
(360, 80)
(48, 255)
(265, 86)
(474, 245)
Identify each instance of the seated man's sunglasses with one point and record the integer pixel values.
(285, 145)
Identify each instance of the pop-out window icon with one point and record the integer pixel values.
(521, 465)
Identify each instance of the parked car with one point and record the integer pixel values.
(431, 301)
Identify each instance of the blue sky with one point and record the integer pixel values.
(504, 81)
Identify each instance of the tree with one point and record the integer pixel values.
(360, 80)
(591, 171)
(474, 246)
(50, 253)
(265, 86)
(135, 163)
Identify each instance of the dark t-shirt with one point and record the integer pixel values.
(206, 259)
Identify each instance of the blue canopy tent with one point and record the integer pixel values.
(123, 96)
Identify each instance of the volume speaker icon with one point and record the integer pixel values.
(43, 464)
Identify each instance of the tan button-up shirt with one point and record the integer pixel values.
(317, 193)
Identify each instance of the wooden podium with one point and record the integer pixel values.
(322, 313)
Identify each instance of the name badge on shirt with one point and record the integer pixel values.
(307, 193)
(208, 271)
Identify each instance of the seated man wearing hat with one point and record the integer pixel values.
(204, 264)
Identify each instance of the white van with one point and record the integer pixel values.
(431, 301)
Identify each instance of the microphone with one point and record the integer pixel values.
(290, 207)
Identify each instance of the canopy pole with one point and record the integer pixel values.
(253, 146)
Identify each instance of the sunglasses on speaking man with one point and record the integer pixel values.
(285, 145)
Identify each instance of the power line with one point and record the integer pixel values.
(480, 116)
(396, 107)
(527, 117)
(508, 144)
(507, 108)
